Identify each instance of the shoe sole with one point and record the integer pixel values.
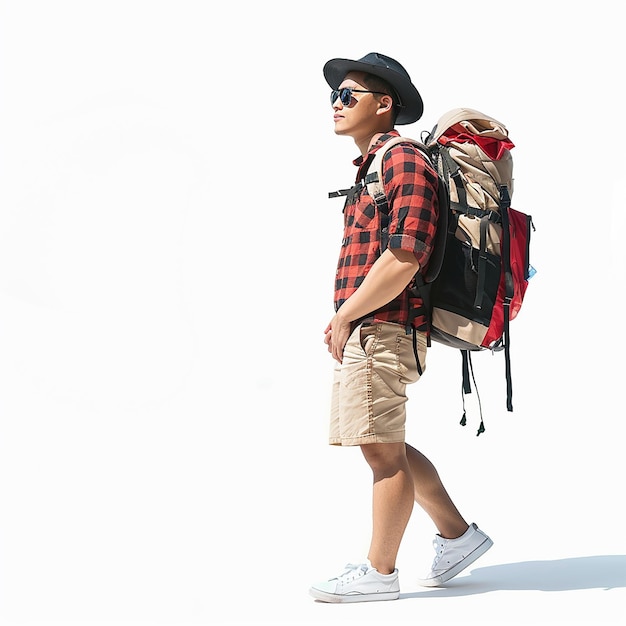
(459, 567)
(356, 597)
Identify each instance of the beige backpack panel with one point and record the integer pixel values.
(458, 326)
(481, 175)
(468, 229)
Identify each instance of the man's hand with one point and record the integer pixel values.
(336, 336)
(389, 275)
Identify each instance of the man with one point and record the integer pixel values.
(370, 335)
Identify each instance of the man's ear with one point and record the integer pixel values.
(384, 104)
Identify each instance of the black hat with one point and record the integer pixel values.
(411, 105)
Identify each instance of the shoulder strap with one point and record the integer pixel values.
(374, 177)
(374, 182)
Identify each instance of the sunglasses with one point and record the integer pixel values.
(345, 95)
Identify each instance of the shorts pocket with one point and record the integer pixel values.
(367, 339)
(407, 363)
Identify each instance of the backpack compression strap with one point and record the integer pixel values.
(494, 217)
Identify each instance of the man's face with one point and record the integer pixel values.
(358, 118)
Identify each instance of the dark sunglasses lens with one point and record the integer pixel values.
(345, 95)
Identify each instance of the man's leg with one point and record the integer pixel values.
(392, 501)
(431, 495)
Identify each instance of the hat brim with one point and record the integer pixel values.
(412, 107)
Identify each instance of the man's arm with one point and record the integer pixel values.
(387, 278)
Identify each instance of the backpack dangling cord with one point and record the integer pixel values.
(468, 369)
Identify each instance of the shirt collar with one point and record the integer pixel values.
(361, 160)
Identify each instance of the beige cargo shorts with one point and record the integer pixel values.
(368, 403)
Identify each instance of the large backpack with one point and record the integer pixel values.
(479, 269)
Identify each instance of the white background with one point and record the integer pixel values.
(167, 252)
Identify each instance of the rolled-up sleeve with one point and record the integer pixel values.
(411, 188)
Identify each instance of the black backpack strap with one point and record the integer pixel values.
(420, 371)
(338, 193)
(451, 171)
(349, 194)
(509, 291)
(482, 263)
(377, 193)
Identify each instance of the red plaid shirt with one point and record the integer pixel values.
(410, 185)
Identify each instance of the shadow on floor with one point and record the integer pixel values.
(586, 572)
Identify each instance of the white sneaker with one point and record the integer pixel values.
(454, 555)
(358, 583)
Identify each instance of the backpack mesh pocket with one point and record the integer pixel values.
(455, 288)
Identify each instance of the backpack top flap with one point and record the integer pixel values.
(474, 122)
(479, 146)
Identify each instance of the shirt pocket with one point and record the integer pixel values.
(365, 215)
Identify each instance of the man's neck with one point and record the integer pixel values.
(365, 144)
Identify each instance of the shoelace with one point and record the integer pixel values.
(439, 546)
(352, 572)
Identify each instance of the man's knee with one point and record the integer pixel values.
(387, 457)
